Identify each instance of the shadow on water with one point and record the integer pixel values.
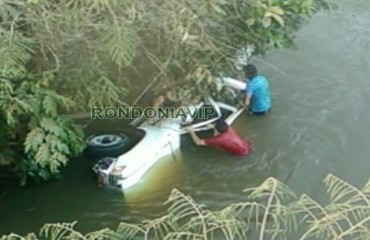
(75, 197)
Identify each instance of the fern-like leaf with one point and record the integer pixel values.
(50, 126)
(130, 231)
(104, 234)
(122, 42)
(49, 105)
(282, 192)
(184, 236)
(105, 93)
(42, 156)
(59, 231)
(182, 206)
(56, 161)
(56, 145)
(230, 225)
(34, 139)
(6, 88)
(15, 52)
(12, 236)
(160, 227)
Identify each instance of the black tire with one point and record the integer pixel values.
(107, 145)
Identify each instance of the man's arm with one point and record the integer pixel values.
(248, 95)
(196, 139)
(247, 100)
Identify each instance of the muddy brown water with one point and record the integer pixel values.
(319, 124)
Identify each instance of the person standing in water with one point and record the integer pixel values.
(257, 99)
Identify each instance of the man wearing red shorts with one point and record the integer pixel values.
(226, 138)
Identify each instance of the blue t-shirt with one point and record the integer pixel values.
(258, 88)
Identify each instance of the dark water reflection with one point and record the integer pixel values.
(319, 125)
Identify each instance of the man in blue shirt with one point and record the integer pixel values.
(257, 92)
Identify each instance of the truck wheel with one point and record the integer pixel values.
(106, 145)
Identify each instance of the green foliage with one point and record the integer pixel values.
(84, 41)
(123, 42)
(56, 53)
(271, 211)
(87, 41)
(33, 129)
(15, 52)
(49, 138)
(103, 84)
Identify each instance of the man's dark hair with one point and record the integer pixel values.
(221, 126)
(251, 70)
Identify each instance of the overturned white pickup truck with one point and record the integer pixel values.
(130, 155)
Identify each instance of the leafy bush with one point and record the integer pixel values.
(55, 53)
(32, 118)
(36, 138)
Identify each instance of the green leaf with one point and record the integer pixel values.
(50, 126)
(279, 19)
(53, 100)
(22, 106)
(56, 161)
(50, 106)
(59, 157)
(6, 88)
(56, 145)
(62, 148)
(266, 22)
(42, 156)
(122, 43)
(105, 93)
(276, 10)
(250, 21)
(34, 139)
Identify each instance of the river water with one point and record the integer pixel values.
(319, 125)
